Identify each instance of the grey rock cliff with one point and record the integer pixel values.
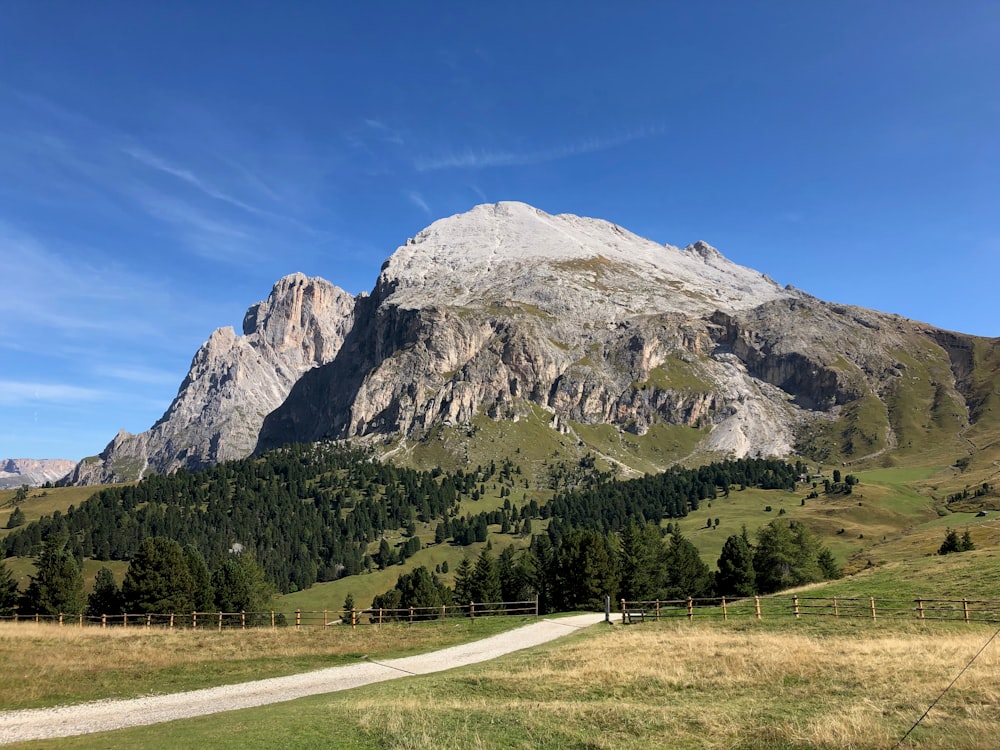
(233, 383)
(506, 313)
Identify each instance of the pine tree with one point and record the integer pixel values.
(57, 586)
(951, 543)
(158, 580)
(967, 544)
(106, 598)
(240, 585)
(485, 583)
(463, 581)
(736, 575)
(641, 562)
(202, 592)
(349, 612)
(8, 591)
(687, 573)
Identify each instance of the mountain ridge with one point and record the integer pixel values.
(508, 314)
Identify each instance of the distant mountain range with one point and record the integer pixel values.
(505, 329)
(34, 472)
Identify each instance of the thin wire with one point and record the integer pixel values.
(950, 685)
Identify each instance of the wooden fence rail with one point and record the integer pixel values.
(760, 607)
(297, 619)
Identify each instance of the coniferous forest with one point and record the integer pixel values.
(309, 513)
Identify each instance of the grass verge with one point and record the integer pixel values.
(802, 684)
(47, 665)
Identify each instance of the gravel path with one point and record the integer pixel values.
(102, 716)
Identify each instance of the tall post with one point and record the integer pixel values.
(171, 620)
(194, 621)
(411, 615)
(690, 609)
(795, 606)
(725, 614)
(472, 610)
(920, 609)
(60, 618)
(354, 619)
(536, 605)
(607, 609)
(756, 606)
(104, 621)
(836, 608)
(871, 600)
(657, 610)
(623, 611)
(243, 619)
(272, 619)
(298, 619)
(965, 609)
(220, 622)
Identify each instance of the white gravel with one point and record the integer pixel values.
(102, 716)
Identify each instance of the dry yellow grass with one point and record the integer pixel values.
(706, 686)
(45, 664)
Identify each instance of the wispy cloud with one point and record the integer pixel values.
(18, 393)
(138, 374)
(418, 200)
(485, 158)
(160, 164)
(385, 133)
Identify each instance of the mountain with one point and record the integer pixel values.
(34, 472)
(506, 329)
(233, 383)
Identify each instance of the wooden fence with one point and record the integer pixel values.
(297, 619)
(758, 607)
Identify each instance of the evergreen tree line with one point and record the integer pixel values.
(307, 513)
(612, 504)
(162, 578)
(575, 568)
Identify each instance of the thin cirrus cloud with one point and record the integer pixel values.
(482, 159)
(21, 393)
(418, 200)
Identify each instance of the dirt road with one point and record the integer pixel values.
(102, 716)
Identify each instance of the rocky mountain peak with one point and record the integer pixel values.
(234, 382)
(565, 265)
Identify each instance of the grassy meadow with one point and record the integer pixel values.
(48, 665)
(788, 684)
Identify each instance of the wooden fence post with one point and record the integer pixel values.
(411, 615)
(836, 608)
(354, 618)
(243, 619)
(298, 619)
(795, 606)
(920, 609)
(124, 621)
(623, 611)
(60, 618)
(444, 609)
(472, 610)
(171, 620)
(725, 615)
(657, 610)
(690, 609)
(104, 621)
(756, 606)
(536, 605)
(220, 622)
(81, 619)
(149, 619)
(194, 621)
(272, 620)
(871, 600)
(380, 615)
(965, 609)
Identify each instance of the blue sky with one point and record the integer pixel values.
(162, 164)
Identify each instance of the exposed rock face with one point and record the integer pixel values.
(234, 382)
(34, 472)
(507, 312)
